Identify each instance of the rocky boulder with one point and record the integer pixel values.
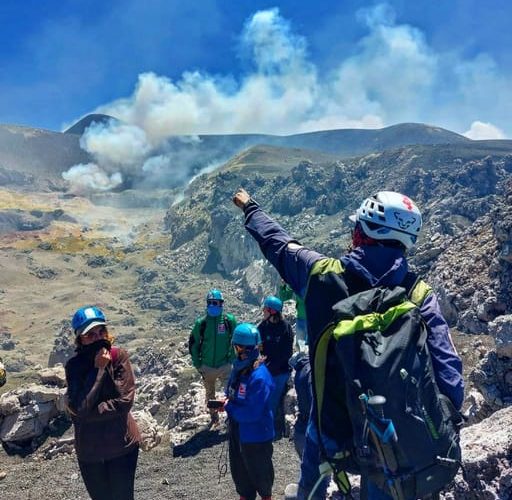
(151, 433)
(501, 330)
(63, 345)
(55, 375)
(25, 412)
(487, 458)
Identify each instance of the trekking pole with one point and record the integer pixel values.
(384, 444)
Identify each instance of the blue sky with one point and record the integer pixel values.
(173, 67)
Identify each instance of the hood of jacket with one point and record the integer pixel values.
(378, 265)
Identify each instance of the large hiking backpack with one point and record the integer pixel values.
(403, 434)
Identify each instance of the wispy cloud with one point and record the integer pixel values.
(393, 75)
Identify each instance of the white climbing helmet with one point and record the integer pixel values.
(389, 216)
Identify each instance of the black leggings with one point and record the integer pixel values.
(251, 465)
(110, 479)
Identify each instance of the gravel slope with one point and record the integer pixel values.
(191, 475)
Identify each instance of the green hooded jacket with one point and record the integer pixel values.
(215, 349)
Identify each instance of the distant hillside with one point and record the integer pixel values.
(345, 142)
(79, 127)
(42, 153)
(273, 160)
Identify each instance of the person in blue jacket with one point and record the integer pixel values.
(251, 423)
(386, 226)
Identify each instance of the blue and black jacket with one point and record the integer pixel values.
(323, 281)
(248, 404)
(277, 340)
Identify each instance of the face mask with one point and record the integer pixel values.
(213, 310)
(91, 349)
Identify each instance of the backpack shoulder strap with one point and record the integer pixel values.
(114, 354)
(319, 381)
(202, 329)
(228, 325)
(417, 290)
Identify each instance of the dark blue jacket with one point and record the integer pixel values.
(303, 388)
(249, 406)
(277, 340)
(372, 266)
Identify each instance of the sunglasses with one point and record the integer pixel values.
(214, 302)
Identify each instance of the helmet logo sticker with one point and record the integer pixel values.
(408, 203)
(404, 221)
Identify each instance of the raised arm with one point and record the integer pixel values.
(292, 260)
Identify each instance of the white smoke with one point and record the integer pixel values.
(89, 176)
(484, 131)
(392, 75)
(115, 143)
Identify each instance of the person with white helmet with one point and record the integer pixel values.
(251, 429)
(100, 395)
(387, 224)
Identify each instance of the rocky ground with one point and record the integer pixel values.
(192, 473)
(149, 269)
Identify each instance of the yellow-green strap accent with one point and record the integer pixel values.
(372, 321)
(342, 481)
(320, 362)
(327, 265)
(420, 292)
(324, 266)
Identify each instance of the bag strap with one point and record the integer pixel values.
(417, 290)
(320, 362)
(114, 354)
(202, 329)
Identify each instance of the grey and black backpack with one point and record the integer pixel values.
(392, 424)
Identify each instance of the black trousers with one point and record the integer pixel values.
(251, 465)
(110, 479)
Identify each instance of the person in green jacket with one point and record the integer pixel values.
(301, 329)
(210, 345)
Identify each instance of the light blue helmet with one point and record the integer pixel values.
(86, 318)
(214, 294)
(273, 303)
(246, 334)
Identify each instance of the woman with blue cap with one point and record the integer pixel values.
(101, 390)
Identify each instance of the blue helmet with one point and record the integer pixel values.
(273, 303)
(86, 318)
(214, 294)
(246, 334)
